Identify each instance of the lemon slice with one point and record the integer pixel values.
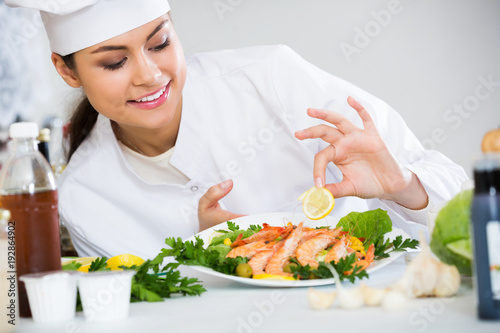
(214, 235)
(273, 277)
(303, 195)
(84, 261)
(317, 202)
(123, 260)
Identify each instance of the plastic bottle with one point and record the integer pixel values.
(8, 285)
(28, 191)
(43, 143)
(485, 219)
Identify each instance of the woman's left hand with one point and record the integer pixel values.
(210, 212)
(368, 167)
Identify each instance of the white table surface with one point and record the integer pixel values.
(232, 307)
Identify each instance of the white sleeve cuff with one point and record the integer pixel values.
(419, 216)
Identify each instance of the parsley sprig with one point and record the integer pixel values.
(323, 272)
(384, 248)
(149, 287)
(194, 253)
(99, 264)
(155, 287)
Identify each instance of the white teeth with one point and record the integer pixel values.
(152, 97)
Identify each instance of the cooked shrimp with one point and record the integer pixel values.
(307, 251)
(363, 264)
(339, 250)
(260, 260)
(359, 255)
(249, 250)
(267, 233)
(310, 234)
(281, 257)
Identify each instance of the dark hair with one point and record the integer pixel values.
(83, 118)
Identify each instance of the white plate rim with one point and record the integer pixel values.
(275, 219)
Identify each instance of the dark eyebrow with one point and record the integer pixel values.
(121, 47)
(158, 28)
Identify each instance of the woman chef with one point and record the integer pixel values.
(165, 146)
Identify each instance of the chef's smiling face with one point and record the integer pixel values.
(135, 78)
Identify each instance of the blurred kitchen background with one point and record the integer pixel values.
(437, 62)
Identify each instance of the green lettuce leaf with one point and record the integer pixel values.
(369, 225)
(232, 236)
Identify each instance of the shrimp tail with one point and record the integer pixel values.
(363, 264)
(238, 241)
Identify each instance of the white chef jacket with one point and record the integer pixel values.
(240, 111)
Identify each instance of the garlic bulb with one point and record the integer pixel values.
(348, 298)
(393, 300)
(449, 282)
(320, 300)
(428, 276)
(372, 296)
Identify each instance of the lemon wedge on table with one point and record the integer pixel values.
(123, 260)
(317, 202)
(113, 263)
(273, 277)
(84, 261)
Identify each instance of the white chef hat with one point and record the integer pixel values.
(73, 25)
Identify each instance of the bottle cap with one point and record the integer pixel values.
(44, 135)
(23, 130)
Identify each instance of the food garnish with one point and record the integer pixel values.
(244, 270)
(317, 202)
(146, 286)
(115, 263)
(272, 277)
(78, 264)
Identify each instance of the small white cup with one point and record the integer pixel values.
(51, 295)
(105, 295)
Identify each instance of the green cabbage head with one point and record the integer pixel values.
(450, 240)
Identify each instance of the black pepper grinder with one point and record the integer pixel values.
(485, 223)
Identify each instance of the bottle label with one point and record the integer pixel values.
(493, 239)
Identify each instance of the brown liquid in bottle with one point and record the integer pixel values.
(37, 236)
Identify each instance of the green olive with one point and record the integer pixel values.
(313, 276)
(244, 270)
(288, 268)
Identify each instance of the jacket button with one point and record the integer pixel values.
(194, 188)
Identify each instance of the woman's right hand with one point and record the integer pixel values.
(210, 212)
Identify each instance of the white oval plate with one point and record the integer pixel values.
(281, 219)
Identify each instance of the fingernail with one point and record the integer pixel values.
(301, 132)
(318, 182)
(225, 184)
